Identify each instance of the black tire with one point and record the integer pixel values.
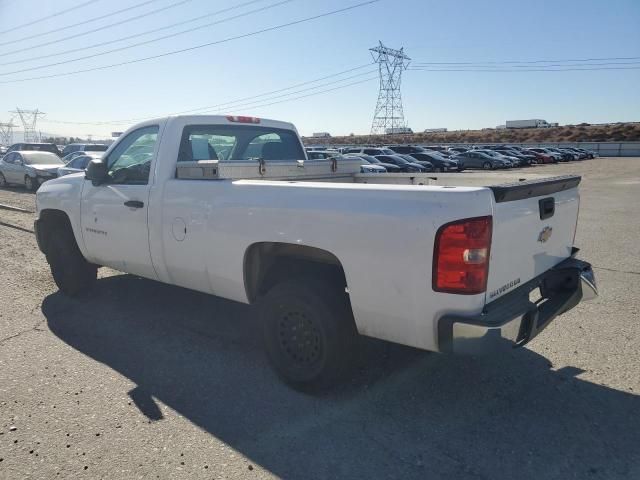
(3, 181)
(487, 165)
(438, 169)
(30, 184)
(73, 275)
(308, 332)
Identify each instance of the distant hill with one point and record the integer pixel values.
(584, 132)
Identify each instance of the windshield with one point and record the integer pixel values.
(43, 158)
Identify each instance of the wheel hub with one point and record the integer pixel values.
(299, 338)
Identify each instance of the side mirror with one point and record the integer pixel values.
(96, 172)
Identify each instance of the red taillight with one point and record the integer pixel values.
(461, 256)
(238, 119)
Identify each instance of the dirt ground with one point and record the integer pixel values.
(145, 380)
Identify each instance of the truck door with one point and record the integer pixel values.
(114, 214)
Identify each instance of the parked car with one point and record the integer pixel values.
(366, 167)
(459, 264)
(526, 159)
(477, 159)
(439, 162)
(84, 147)
(34, 147)
(509, 160)
(564, 156)
(72, 155)
(389, 167)
(374, 151)
(77, 164)
(437, 159)
(554, 155)
(404, 165)
(30, 169)
(582, 155)
(455, 150)
(411, 159)
(320, 154)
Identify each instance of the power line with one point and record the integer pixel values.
(529, 61)
(146, 42)
(209, 107)
(84, 22)
(196, 47)
(57, 14)
(523, 70)
(129, 37)
(537, 66)
(317, 93)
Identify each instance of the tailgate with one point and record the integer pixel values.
(533, 230)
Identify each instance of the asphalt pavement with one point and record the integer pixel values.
(145, 380)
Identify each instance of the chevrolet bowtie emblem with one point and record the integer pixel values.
(545, 234)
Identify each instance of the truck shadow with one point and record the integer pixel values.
(406, 414)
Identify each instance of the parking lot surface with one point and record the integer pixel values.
(145, 380)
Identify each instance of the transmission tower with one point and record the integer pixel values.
(29, 119)
(389, 117)
(6, 133)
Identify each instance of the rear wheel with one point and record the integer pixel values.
(308, 332)
(70, 270)
(487, 165)
(30, 184)
(3, 181)
(437, 169)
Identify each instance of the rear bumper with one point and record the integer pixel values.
(513, 320)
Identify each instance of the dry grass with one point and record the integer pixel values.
(619, 132)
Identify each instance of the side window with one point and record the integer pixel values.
(130, 161)
(9, 157)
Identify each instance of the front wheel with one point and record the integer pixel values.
(487, 165)
(3, 181)
(438, 169)
(308, 332)
(30, 184)
(70, 270)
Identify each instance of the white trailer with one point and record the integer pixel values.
(321, 135)
(533, 123)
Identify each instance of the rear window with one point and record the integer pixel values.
(95, 148)
(40, 147)
(234, 142)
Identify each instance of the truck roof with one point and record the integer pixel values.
(228, 120)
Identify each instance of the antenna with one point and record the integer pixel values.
(389, 116)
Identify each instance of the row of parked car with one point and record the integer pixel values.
(414, 158)
(31, 164)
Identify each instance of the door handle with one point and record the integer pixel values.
(134, 204)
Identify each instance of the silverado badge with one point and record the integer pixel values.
(545, 234)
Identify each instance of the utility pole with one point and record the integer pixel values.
(29, 119)
(389, 116)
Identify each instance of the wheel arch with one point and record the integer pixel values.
(267, 263)
(49, 220)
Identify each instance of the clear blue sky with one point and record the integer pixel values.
(430, 31)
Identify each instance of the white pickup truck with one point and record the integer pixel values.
(232, 207)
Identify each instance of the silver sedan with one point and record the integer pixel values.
(29, 168)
